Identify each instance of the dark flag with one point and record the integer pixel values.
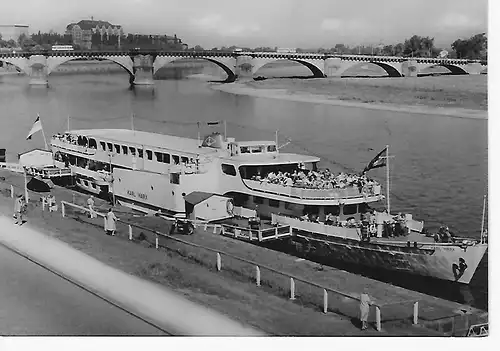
(378, 161)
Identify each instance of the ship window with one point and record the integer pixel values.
(258, 200)
(271, 148)
(110, 147)
(363, 207)
(140, 153)
(117, 148)
(274, 203)
(175, 158)
(350, 209)
(334, 210)
(103, 146)
(132, 151)
(228, 169)
(125, 149)
(166, 158)
(174, 178)
(288, 205)
(159, 156)
(256, 149)
(184, 159)
(149, 153)
(92, 143)
(244, 149)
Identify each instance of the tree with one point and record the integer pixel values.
(475, 47)
(419, 46)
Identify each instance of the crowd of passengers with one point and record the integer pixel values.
(395, 226)
(321, 179)
(74, 140)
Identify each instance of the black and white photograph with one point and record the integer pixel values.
(256, 169)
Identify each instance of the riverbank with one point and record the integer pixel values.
(454, 96)
(191, 272)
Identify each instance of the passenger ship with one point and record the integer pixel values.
(156, 171)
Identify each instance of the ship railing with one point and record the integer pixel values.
(50, 172)
(73, 147)
(313, 227)
(13, 167)
(325, 296)
(309, 193)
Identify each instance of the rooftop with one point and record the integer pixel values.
(89, 24)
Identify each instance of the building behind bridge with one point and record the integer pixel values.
(13, 31)
(85, 31)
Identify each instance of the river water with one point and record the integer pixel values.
(438, 172)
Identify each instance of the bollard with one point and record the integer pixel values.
(257, 275)
(292, 289)
(205, 227)
(219, 263)
(105, 226)
(129, 232)
(63, 210)
(377, 318)
(415, 313)
(325, 301)
(11, 191)
(156, 242)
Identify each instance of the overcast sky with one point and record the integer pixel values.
(283, 23)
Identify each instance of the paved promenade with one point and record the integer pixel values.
(156, 304)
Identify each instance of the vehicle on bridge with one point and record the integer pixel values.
(62, 48)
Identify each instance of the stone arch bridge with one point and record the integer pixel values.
(141, 66)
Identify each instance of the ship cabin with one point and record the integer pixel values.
(293, 184)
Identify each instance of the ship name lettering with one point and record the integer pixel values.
(131, 193)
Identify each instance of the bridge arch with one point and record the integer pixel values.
(14, 63)
(391, 70)
(56, 61)
(316, 70)
(163, 61)
(455, 70)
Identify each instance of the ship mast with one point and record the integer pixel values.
(482, 221)
(388, 181)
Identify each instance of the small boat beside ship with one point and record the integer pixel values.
(334, 212)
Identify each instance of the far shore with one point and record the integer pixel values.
(377, 94)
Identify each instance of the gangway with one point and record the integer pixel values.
(256, 235)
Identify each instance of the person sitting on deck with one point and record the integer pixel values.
(329, 219)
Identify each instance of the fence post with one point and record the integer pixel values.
(129, 232)
(325, 301)
(290, 230)
(377, 318)
(43, 203)
(257, 275)
(415, 313)
(63, 210)
(156, 242)
(11, 191)
(260, 234)
(292, 289)
(219, 263)
(276, 232)
(215, 228)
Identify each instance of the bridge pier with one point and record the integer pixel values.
(410, 68)
(38, 70)
(143, 70)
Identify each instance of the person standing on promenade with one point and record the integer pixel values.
(111, 219)
(90, 204)
(364, 309)
(51, 202)
(19, 207)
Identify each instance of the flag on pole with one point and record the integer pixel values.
(37, 126)
(378, 161)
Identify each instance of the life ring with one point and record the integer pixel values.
(230, 207)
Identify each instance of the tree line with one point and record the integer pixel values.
(417, 46)
(474, 47)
